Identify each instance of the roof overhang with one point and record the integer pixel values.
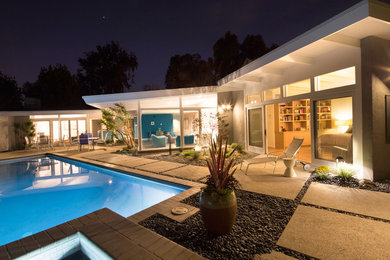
(130, 99)
(49, 112)
(367, 18)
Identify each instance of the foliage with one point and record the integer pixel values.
(187, 71)
(239, 147)
(196, 155)
(120, 123)
(25, 129)
(188, 153)
(10, 94)
(215, 122)
(345, 171)
(55, 87)
(221, 168)
(109, 69)
(322, 176)
(322, 169)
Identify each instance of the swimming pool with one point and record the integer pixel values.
(42, 192)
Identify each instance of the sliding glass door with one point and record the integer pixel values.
(255, 121)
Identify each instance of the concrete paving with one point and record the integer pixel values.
(348, 199)
(263, 180)
(329, 235)
(274, 255)
(191, 172)
(160, 166)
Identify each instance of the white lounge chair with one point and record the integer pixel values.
(290, 152)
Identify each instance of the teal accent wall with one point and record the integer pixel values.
(163, 122)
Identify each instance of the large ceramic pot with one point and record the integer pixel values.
(218, 211)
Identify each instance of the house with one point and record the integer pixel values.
(329, 86)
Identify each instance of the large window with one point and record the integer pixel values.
(297, 88)
(334, 129)
(270, 94)
(335, 79)
(255, 125)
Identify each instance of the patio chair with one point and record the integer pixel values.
(290, 152)
(66, 141)
(43, 141)
(30, 144)
(83, 139)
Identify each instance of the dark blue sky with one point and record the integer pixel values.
(40, 33)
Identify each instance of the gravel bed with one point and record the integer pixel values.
(261, 220)
(382, 186)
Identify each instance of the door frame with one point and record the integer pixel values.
(251, 148)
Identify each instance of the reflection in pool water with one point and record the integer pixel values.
(39, 193)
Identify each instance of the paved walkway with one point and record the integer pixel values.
(330, 222)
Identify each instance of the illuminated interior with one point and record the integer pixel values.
(335, 79)
(297, 88)
(270, 94)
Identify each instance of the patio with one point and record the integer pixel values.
(329, 222)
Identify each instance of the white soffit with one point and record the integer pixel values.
(342, 31)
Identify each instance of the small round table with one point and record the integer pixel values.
(290, 163)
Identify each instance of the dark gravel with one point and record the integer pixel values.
(261, 220)
(382, 186)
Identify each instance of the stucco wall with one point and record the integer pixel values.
(238, 117)
(375, 85)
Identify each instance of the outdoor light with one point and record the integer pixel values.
(198, 148)
(339, 159)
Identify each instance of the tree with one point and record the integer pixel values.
(10, 94)
(253, 47)
(226, 55)
(56, 87)
(187, 71)
(109, 69)
(24, 129)
(120, 123)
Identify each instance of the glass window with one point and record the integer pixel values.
(73, 115)
(270, 94)
(297, 88)
(56, 131)
(160, 128)
(253, 99)
(73, 128)
(255, 122)
(65, 130)
(82, 126)
(43, 116)
(334, 129)
(42, 128)
(335, 79)
(191, 127)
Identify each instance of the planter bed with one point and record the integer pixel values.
(261, 220)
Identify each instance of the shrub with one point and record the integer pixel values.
(195, 155)
(177, 153)
(323, 169)
(345, 171)
(239, 148)
(188, 153)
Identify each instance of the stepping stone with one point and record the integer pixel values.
(191, 172)
(365, 202)
(135, 162)
(160, 166)
(329, 235)
(274, 255)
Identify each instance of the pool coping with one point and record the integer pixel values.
(26, 245)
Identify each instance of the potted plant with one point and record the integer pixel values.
(218, 203)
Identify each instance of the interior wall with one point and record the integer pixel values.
(375, 86)
(270, 125)
(238, 125)
(151, 123)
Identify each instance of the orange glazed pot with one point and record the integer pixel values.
(218, 211)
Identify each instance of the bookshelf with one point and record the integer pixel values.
(293, 120)
(324, 115)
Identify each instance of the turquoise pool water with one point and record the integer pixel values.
(39, 193)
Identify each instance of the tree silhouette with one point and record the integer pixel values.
(226, 55)
(186, 71)
(10, 94)
(56, 88)
(109, 69)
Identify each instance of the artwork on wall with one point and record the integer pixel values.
(387, 119)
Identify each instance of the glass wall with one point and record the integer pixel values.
(159, 128)
(270, 94)
(297, 88)
(191, 127)
(335, 79)
(334, 124)
(255, 125)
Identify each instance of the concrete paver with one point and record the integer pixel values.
(160, 166)
(263, 180)
(329, 235)
(365, 202)
(191, 172)
(274, 255)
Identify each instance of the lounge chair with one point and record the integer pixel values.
(290, 152)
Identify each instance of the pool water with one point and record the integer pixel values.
(39, 193)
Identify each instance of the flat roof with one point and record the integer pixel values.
(130, 99)
(367, 18)
(48, 112)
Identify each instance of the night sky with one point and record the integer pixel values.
(40, 33)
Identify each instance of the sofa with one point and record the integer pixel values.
(331, 146)
(159, 140)
(188, 140)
